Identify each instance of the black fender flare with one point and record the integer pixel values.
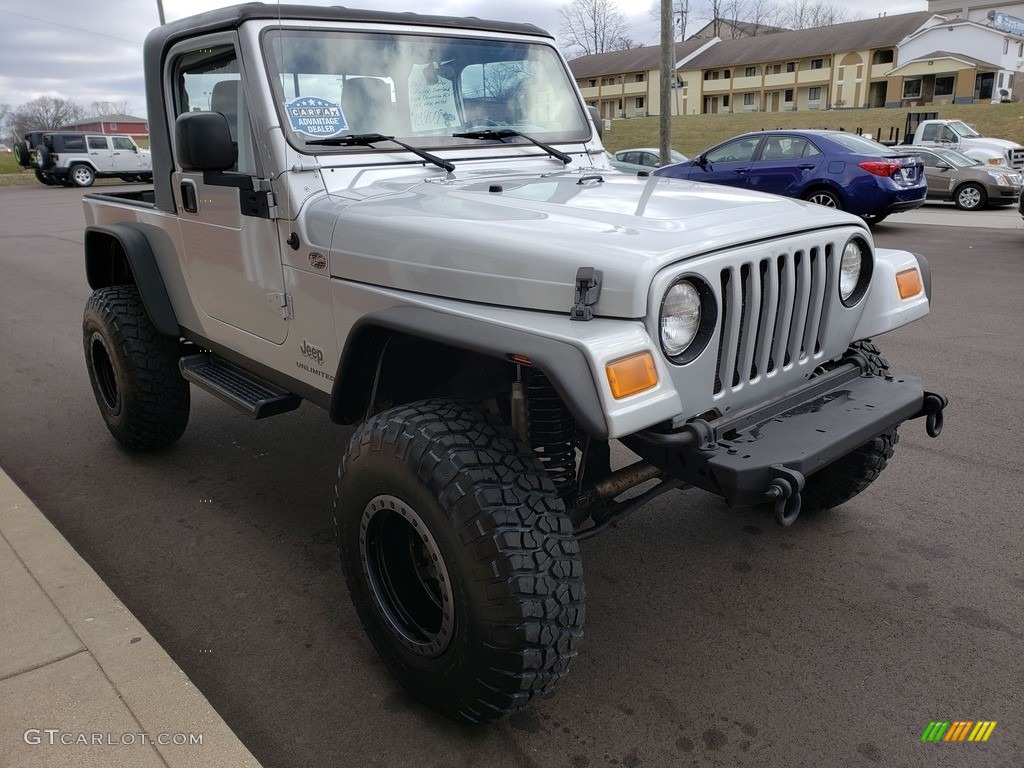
(120, 253)
(565, 364)
(926, 273)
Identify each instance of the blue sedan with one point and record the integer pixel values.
(832, 168)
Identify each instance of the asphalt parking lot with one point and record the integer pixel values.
(713, 637)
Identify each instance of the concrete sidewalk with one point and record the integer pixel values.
(82, 683)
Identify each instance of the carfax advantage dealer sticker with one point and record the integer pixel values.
(316, 117)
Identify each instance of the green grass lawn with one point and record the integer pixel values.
(11, 173)
(691, 134)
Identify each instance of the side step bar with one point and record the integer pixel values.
(247, 392)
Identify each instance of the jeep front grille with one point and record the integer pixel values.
(772, 311)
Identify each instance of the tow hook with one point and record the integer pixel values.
(784, 494)
(932, 408)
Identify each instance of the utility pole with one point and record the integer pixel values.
(667, 69)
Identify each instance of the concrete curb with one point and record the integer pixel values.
(82, 683)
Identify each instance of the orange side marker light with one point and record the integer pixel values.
(631, 375)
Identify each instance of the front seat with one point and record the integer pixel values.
(367, 106)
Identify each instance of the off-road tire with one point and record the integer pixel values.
(133, 369)
(45, 178)
(494, 617)
(21, 155)
(845, 477)
(81, 175)
(43, 159)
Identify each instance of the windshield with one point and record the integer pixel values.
(961, 128)
(859, 143)
(419, 88)
(957, 159)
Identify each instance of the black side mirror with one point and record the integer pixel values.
(202, 142)
(944, 167)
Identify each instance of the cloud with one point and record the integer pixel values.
(91, 50)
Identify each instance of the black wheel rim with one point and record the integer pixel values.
(103, 371)
(407, 576)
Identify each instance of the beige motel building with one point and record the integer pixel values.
(957, 52)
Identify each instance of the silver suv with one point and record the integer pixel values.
(78, 159)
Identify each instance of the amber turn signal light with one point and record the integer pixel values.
(909, 283)
(631, 375)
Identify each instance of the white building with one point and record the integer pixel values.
(960, 60)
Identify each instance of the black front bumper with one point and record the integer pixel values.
(748, 457)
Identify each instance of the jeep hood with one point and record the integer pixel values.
(519, 240)
(989, 142)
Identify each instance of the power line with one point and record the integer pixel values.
(68, 26)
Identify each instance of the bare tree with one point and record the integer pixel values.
(104, 108)
(46, 113)
(625, 44)
(757, 16)
(680, 16)
(593, 26)
(806, 14)
(5, 111)
(760, 16)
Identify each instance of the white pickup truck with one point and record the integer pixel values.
(410, 221)
(956, 134)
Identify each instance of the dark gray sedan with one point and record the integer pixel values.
(969, 183)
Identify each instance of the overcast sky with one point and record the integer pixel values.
(91, 50)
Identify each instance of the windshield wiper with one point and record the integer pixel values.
(506, 133)
(369, 139)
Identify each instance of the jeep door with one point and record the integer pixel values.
(124, 155)
(99, 153)
(234, 258)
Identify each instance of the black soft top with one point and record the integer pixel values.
(234, 16)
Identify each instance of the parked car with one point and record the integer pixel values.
(78, 159)
(642, 159)
(830, 168)
(969, 183)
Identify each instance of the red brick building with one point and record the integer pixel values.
(109, 125)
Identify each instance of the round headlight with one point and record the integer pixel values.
(849, 270)
(680, 317)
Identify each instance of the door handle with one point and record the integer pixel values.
(189, 196)
(742, 171)
(806, 167)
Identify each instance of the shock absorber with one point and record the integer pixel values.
(552, 432)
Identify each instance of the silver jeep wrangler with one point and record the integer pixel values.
(410, 221)
(77, 159)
